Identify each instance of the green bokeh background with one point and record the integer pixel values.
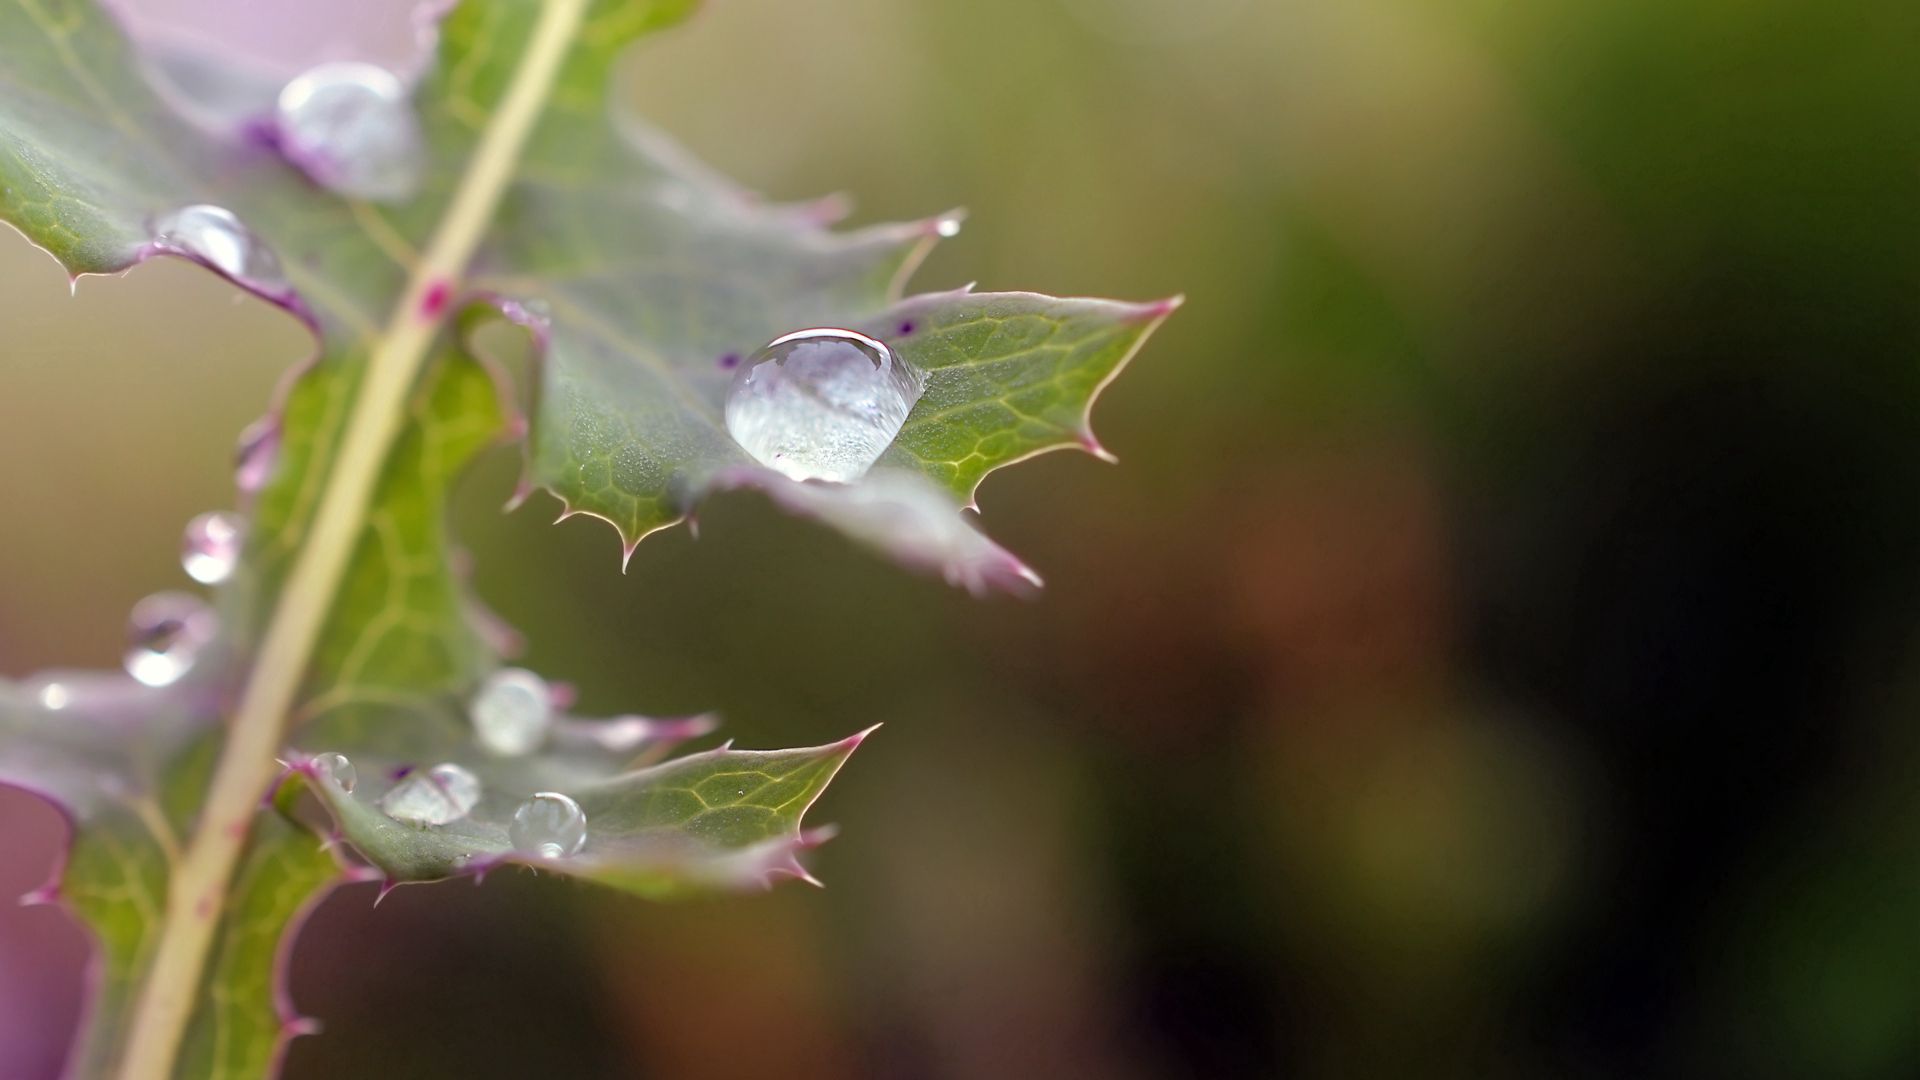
(1494, 655)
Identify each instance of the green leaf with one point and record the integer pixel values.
(639, 271)
(656, 276)
(724, 818)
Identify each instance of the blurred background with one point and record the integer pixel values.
(1494, 657)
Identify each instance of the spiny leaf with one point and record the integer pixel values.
(657, 277)
(642, 272)
(724, 818)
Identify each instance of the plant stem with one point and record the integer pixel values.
(198, 890)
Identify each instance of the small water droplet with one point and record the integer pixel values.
(253, 458)
(211, 547)
(549, 825)
(165, 634)
(437, 796)
(55, 696)
(821, 404)
(512, 712)
(947, 225)
(213, 235)
(337, 768)
(350, 127)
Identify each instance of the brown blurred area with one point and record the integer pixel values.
(1493, 657)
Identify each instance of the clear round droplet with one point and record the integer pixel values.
(549, 825)
(512, 712)
(213, 235)
(337, 768)
(165, 635)
(821, 404)
(350, 127)
(437, 796)
(211, 547)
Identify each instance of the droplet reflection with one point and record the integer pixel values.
(165, 635)
(821, 404)
(213, 235)
(350, 127)
(549, 825)
(437, 796)
(211, 547)
(512, 712)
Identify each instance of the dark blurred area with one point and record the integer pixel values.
(1494, 657)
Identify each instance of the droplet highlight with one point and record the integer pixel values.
(213, 235)
(210, 548)
(821, 404)
(350, 127)
(512, 712)
(338, 769)
(442, 794)
(548, 826)
(166, 633)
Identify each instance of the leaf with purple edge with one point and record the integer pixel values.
(656, 276)
(720, 819)
(651, 268)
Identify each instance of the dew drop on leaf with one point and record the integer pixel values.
(821, 404)
(437, 796)
(211, 547)
(165, 634)
(549, 825)
(512, 712)
(350, 127)
(213, 235)
(337, 768)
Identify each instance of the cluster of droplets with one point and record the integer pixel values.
(350, 127)
(821, 404)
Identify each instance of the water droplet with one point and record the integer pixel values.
(55, 696)
(337, 768)
(253, 458)
(549, 825)
(211, 547)
(821, 404)
(350, 127)
(442, 794)
(213, 235)
(165, 634)
(512, 712)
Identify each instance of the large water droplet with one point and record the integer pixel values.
(442, 794)
(165, 634)
(213, 235)
(211, 547)
(512, 712)
(337, 768)
(350, 127)
(821, 404)
(549, 825)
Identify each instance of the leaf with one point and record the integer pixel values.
(724, 818)
(640, 272)
(656, 277)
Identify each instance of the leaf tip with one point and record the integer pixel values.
(1156, 310)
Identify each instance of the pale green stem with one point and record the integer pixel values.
(198, 890)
